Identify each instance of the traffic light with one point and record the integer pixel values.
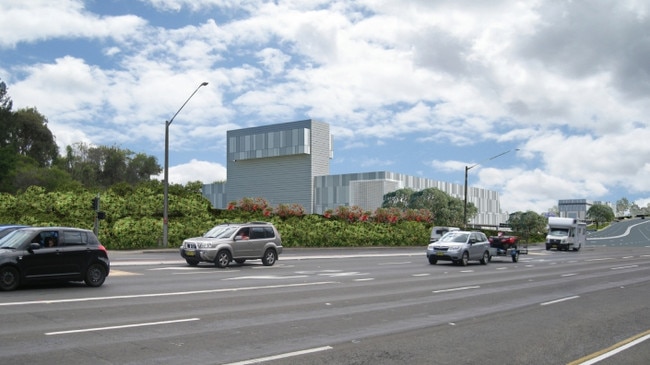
(96, 203)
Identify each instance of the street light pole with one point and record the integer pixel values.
(467, 168)
(166, 173)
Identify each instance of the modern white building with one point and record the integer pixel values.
(289, 163)
(574, 208)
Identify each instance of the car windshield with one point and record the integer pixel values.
(454, 237)
(15, 238)
(559, 232)
(221, 231)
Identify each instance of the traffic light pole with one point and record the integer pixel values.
(96, 208)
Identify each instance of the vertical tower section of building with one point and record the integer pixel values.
(278, 162)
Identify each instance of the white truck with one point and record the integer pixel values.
(566, 234)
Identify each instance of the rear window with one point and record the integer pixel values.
(262, 232)
(77, 238)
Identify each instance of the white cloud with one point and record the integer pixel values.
(195, 170)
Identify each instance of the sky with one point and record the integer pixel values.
(559, 90)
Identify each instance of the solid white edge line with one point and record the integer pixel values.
(560, 300)
(281, 356)
(120, 327)
(615, 351)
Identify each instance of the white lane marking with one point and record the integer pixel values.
(395, 263)
(601, 259)
(281, 356)
(154, 295)
(570, 274)
(267, 277)
(456, 289)
(364, 279)
(560, 300)
(351, 273)
(623, 267)
(120, 327)
(421, 275)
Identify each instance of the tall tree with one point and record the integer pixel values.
(622, 205)
(527, 223)
(7, 153)
(32, 138)
(102, 166)
(446, 210)
(600, 213)
(398, 199)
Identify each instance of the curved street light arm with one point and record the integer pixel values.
(188, 99)
(467, 168)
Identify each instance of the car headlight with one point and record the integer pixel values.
(208, 245)
(430, 247)
(454, 248)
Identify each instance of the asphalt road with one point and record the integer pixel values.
(354, 306)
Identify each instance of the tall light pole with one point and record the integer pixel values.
(166, 174)
(467, 168)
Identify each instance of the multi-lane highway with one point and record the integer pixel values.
(348, 306)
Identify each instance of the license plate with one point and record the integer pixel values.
(440, 253)
(190, 253)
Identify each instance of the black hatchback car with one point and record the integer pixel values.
(37, 254)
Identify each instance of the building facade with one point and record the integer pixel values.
(574, 208)
(288, 163)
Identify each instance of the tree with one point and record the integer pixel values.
(527, 223)
(600, 213)
(622, 205)
(398, 199)
(32, 138)
(446, 210)
(102, 166)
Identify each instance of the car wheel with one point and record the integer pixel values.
(240, 261)
(9, 278)
(432, 260)
(223, 259)
(269, 258)
(464, 259)
(192, 262)
(95, 275)
(486, 258)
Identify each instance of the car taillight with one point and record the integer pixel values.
(101, 247)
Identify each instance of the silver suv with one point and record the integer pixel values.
(234, 242)
(460, 247)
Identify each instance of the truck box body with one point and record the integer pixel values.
(566, 233)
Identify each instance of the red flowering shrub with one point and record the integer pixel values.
(293, 210)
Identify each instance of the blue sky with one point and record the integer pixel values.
(418, 87)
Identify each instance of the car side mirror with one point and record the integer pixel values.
(34, 246)
(472, 240)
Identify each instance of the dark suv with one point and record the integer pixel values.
(239, 242)
(38, 254)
